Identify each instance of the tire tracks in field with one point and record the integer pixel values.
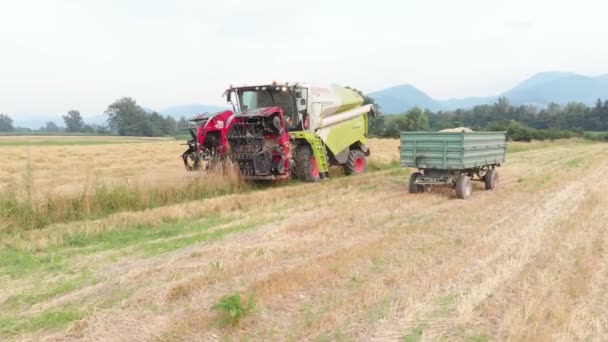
(268, 236)
(349, 305)
(291, 272)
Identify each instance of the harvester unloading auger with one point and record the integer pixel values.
(279, 131)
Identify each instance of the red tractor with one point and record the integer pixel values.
(208, 144)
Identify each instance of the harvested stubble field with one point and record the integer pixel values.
(352, 258)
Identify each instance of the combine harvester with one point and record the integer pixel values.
(283, 131)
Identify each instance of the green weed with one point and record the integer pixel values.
(232, 308)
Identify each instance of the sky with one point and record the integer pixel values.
(56, 55)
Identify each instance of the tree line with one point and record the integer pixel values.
(124, 117)
(522, 122)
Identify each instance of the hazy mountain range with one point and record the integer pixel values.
(539, 90)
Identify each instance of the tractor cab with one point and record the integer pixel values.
(291, 99)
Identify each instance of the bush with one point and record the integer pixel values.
(518, 132)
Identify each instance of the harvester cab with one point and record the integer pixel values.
(281, 130)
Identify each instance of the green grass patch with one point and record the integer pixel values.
(477, 338)
(379, 310)
(48, 291)
(379, 166)
(445, 305)
(137, 234)
(415, 335)
(167, 245)
(46, 320)
(574, 163)
(16, 262)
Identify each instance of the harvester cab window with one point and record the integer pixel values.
(252, 99)
(285, 101)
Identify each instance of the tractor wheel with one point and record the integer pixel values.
(415, 188)
(463, 187)
(305, 167)
(491, 179)
(355, 163)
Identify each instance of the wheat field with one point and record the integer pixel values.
(351, 258)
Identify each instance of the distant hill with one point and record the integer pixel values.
(395, 99)
(540, 90)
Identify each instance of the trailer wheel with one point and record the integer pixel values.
(355, 163)
(305, 168)
(491, 179)
(463, 187)
(415, 188)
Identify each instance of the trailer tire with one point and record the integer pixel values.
(415, 188)
(491, 179)
(305, 167)
(463, 187)
(355, 163)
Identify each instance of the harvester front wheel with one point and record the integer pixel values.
(355, 163)
(306, 168)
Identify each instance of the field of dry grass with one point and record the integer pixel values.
(352, 258)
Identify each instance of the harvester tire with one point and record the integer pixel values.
(491, 179)
(355, 163)
(305, 164)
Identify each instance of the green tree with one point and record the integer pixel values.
(73, 121)
(182, 123)
(127, 117)
(50, 127)
(88, 129)
(6, 123)
(416, 120)
(101, 129)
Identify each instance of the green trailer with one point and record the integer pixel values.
(453, 159)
